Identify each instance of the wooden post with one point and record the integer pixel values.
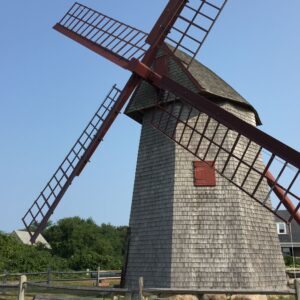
(128, 296)
(98, 276)
(21, 294)
(49, 276)
(5, 277)
(297, 287)
(141, 287)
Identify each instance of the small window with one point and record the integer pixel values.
(281, 228)
(204, 173)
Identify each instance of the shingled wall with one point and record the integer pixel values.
(221, 237)
(184, 236)
(151, 219)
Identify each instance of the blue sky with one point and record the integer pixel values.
(51, 86)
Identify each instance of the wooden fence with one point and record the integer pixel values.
(24, 284)
(51, 276)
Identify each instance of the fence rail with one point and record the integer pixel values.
(218, 291)
(79, 288)
(8, 286)
(94, 274)
(141, 292)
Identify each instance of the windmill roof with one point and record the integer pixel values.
(212, 86)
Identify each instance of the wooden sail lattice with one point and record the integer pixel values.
(120, 39)
(185, 25)
(193, 25)
(187, 34)
(235, 157)
(42, 208)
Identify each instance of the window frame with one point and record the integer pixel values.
(278, 224)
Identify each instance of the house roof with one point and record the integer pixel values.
(24, 237)
(211, 85)
(286, 238)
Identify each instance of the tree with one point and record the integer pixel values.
(76, 244)
(17, 257)
(87, 245)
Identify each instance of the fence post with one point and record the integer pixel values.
(21, 294)
(297, 287)
(98, 276)
(141, 287)
(5, 277)
(49, 276)
(128, 296)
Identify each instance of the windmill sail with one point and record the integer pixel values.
(243, 155)
(106, 36)
(79, 155)
(134, 50)
(185, 25)
(162, 31)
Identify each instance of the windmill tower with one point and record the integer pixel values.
(190, 228)
(201, 210)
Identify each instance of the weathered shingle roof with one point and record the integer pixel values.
(214, 87)
(212, 83)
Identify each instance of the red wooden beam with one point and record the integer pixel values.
(283, 198)
(122, 62)
(126, 92)
(224, 117)
(165, 22)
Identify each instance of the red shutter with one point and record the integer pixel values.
(204, 173)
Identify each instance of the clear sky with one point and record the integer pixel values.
(51, 86)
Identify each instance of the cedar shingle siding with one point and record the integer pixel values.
(184, 236)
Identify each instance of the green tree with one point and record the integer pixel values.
(17, 257)
(87, 245)
(76, 244)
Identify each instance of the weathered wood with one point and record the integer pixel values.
(5, 277)
(80, 288)
(114, 272)
(128, 296)
(8, 286)
(219, 291)
(197, 237)
(49, 276)
(297, 288)
(98, 276)
(141, 287)
(21, 294)
(44, 297)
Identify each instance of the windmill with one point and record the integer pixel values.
(200, 169)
